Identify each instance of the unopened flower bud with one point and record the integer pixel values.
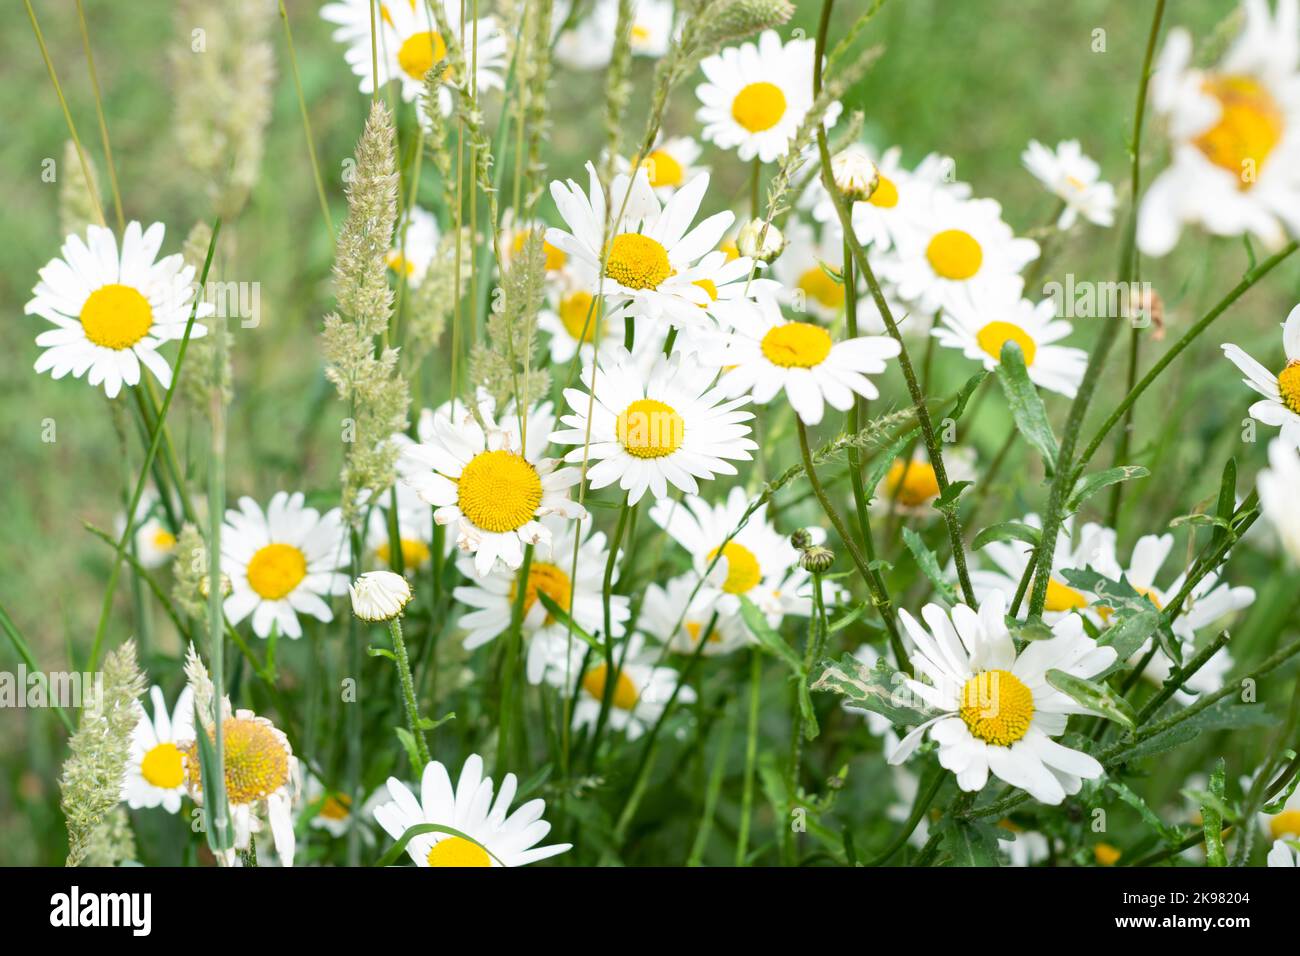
(759, 239)
(379, 595)
(854, 173)
(817, 559)
(801, 540)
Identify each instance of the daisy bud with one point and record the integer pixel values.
(379, 595)
(759, 239)
(854, 173)
(801, 540)
(818, 560)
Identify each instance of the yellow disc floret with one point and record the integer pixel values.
(257, 761)
(993, 336)
(116, 316)
(997, 707)
(414, 553)
(759, 106)
(796, 345)
(275, 570)
(419, 52)
(578, 317)
(457, 851)
(499, 491)
(625, 693)
(1288, 386)
(743, 572)
(820, 287)
(1062, 597)
(663, 169)
(637, 261)
(911, 483)
(886, 194)
(650, 429)
(954, 254)
(1250, 125)
(555, 256)
(548, 578)
(162, 767)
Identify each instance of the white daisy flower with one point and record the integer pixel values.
(153, 544)
(964, 255)
(515, 234)
(351, 19)
(805, 271)
(647, 430)
(415, 244)
(570, 319)
(911, 487)
(670, 164)
(489, 486)
(901, 203)
(155, 769)
(1025, 848)
(499, 837)
(1073, 178)
(262, 778)
(333, 812)
(652, 247)
(642, 689)
(1277, 486)
(980, 328)
(1281, 404)
(379, 595)
(757, 97)
(1234, 132)
(766, 354)
(678, 615)
(1095, 550)
(588, 45)
(999, 713)
(1284, 853)
(492, 597)
(113, 311)
(283, 563)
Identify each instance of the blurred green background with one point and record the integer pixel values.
(972, 78)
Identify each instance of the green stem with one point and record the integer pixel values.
(751, 756)
(408, 692)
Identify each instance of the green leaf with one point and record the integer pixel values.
(398, 848)
(1212, 818)
(947, 502)
(1120, 597)
(380, 652)
(1225, 715)
(879, 689)
(1127, 635)
(1026, 405)
(1089, 485)
(969, 842)
(767, 637)
(1279, 802)
(1167, 835)
(1227, 502)
(408, 744)
(1097, 697)
(929, 564)
(1007, 531)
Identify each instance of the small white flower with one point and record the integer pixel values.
(415, 244)
(678, 615)
(911, 486)
(760, 239)
(1277, 494)
(670, 164)
(588, 45)
(155, 769)
(1073, 178)
(641, 690)
(805, 271)
(1281, 404)
(379, 595)
(854, 173)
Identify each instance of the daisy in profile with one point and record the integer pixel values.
(1095, 549)
(981, 328)
(415, 244)
(497, 837)
(756, 97)
(492, 598)
(766, 354)
(998, 714)
(261, 776)
(901, 202)
(758, 562)
(282, 563)
(1277, 494)
(1073, 178)
(409, 45)
(811, 271)
(155, 769)
(588, 45)
(113, 310)
(641, 690)
(1281, 403)
(670, 164)
(650, 249)
(650, 429)
(911, 487)
(489, 484)
(964, 255)
(678, 615)
(414, 530)
(1234, 133)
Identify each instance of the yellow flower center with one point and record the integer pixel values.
(820, 287)
(257, 763)
(650, 429)
(710, 289)
(663, 169)
(796, 345)
(911, 483)
(1288, 385)
(419, 52)
(414, 553)
(625, 693)
(164, 540)
(337, 806)
(499, 491)
(637, 261)
(954, 254)
(758, 106)
(400, 264)
(578, 317)
(162, 767)
(695, 628)
(743, 572)
(551, 580)
(276, 570)
(1062, 597)
(997, 707)
(729, 249)
(886, 194)
(993, 336)
(555, 256)
(457, 851)
(1249, 126)
(1105, 854)
(1285, 824)
(116, 316)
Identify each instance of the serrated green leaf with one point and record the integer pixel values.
(1212, 817)
(969, 842)
(879, 689)
(1026, 404)
(1097, 697)
(929, 565)
(1149, 816)
(1225, 715)
(767, 637)
(1007, 531)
